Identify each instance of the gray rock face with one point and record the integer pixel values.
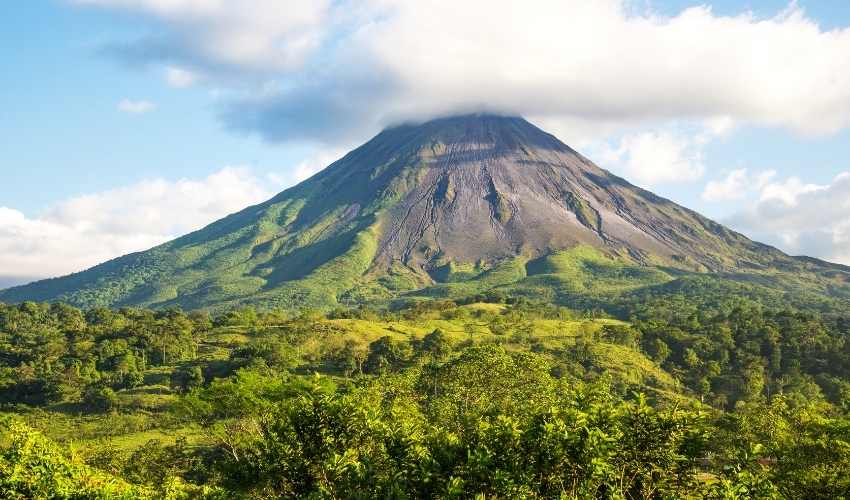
(493, 187)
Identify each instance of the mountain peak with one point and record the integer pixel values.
(471, 120)
(498, 132)
(472, 192)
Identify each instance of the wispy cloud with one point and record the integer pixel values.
(135, 107)
(180, 77)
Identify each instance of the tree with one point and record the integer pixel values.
(658, 350)
(386, 354)
(350, 357)
(487, 379)
(185, 379)
(32, 466)
(133, 378)
(436, 345)
(620, 334)
(100, 399)
(691, 359)
(275, 352)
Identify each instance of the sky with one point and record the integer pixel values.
(126, 123)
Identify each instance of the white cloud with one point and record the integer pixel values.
(719, 126)
(802, 218)
(86, 230)
(259, 35)
(348, 66)
(733, 187)
(788, 191)
(135, 107)
(737, 185)
(650, 158)
(179, 77)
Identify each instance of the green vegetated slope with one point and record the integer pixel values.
(449, 208)
(299, 249)
(561, 277)
(586, 278)
(229, 261)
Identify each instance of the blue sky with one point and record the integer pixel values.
(63, 133)
(109, 107)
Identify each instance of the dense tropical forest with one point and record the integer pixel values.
(487, 397)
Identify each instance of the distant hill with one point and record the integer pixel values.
(448, 208)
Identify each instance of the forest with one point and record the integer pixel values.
(490, 396)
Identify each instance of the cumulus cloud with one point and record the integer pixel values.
(260, 35)
(787, 191)
(83, 231)
(135, 107)
(651, 158)
(801, 218)
(343, 67)
(737, 185)
(733, 187)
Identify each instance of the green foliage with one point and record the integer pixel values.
(33, 467)
(744, 354)
(802, 451)
(436, 345)
(185, 379)
(386, 440)
(100, 399)
(354, 446)
(54, 353)
(438, 399)
(386, 354)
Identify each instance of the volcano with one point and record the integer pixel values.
(454, 205)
